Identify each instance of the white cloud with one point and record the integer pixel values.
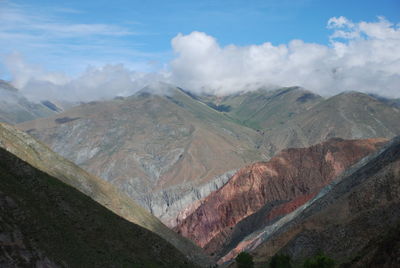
(93, 84)
(54, 37)
(362, 56)
(24, 72)
(17, 18)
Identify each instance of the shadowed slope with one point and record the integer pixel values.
(46, 223)
(41, 157)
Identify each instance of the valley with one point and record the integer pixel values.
(228, 173)
(200, 134)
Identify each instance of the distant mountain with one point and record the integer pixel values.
(159, 149)
(350, 115)
(33, 175)
(294, 117)
(389, 101)
(261, 193)
(355, 220)
(265, 109)
(15, 108)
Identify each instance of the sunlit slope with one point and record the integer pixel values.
(350, 115)
(265, 110)
(148, 142)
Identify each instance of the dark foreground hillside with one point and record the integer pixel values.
(46, 223)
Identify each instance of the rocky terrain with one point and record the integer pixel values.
(178, 154)
(42, 158)
(355, 220)
(261, 193)
(15, 108)
(155, 148)
(168, 148)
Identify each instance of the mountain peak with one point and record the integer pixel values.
(7, 86)
(156, 88)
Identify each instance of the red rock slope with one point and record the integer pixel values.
(263, 192)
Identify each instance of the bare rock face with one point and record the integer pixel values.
(261, 193)
(355, 220)
(172, 205)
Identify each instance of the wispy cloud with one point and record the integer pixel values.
(52, 37)
(18, 18)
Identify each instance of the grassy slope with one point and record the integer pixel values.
(68, 227)
(263, 109)
(292, 117)
(348, 115)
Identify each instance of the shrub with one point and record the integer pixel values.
(244, 260)
(280, 261)
(319, 261)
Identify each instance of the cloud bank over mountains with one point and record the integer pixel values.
(95, 83)
(363, 56)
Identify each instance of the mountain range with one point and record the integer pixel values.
(263, 171)
(168, 148)
(156, 148)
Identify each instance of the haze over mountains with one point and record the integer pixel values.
(15, 108)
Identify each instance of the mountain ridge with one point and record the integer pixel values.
(46, 223)
(41, 157)
(15, 108)
(353, 209)
(263, 192)
(146, 143)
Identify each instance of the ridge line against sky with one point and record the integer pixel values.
(226, 46)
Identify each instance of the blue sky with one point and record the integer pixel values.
(150, 25)
(49, 39)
